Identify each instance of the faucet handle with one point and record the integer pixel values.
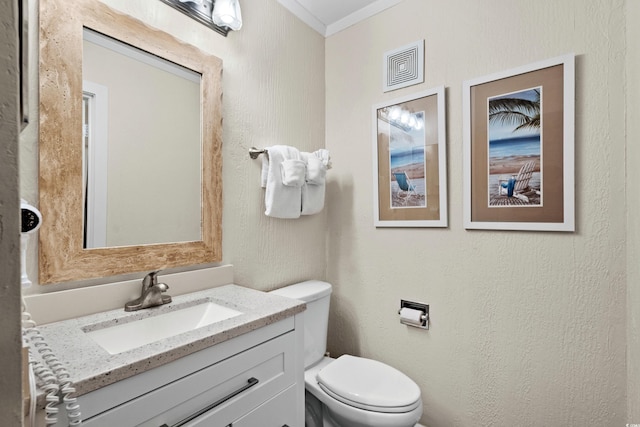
(150, 279)
(163, 287)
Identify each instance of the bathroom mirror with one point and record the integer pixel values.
(141, 146)
(65, 253)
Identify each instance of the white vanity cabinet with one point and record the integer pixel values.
(252, 380)
(275, 412)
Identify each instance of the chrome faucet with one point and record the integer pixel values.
(151, 294)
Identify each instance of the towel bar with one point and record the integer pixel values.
(255, 152)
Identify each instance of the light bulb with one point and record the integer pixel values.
(226, 13)
(394, 112)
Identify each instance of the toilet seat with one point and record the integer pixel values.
(369, 384)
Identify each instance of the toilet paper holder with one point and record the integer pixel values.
(416, 315)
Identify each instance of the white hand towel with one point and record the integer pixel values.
(316, 170)
(281, 201)
(293, 172)
(314, 188)
(323, 155)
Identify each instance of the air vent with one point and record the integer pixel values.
(404, 66)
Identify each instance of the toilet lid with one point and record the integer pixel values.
(369, 384)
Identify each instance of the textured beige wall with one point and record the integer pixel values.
(10, 341)
(528, 328)
(633, 207)
(273, 93)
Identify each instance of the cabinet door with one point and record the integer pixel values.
(277, 412)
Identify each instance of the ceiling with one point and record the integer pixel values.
(330, 16)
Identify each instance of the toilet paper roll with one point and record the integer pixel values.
(411, 316)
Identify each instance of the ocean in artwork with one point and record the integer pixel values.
(407, 156)
(528, 145)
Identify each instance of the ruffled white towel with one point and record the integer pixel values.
(314, 188)
(293, 172)
(283, 175)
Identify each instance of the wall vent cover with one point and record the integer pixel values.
(403, 67)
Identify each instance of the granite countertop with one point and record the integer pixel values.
(92, 367)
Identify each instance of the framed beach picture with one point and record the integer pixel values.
(409, 161)
(518, 130)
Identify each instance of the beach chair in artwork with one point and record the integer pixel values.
(522, 182)
(405, 185)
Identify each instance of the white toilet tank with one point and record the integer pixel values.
(316, 294)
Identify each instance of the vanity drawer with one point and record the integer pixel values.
(235, 385)
(277, 412)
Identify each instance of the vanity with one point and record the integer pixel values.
(244, 367)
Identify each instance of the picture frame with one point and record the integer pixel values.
(200, 12)
(518, 148)
(410, 161)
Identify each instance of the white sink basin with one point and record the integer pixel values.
(127, 336)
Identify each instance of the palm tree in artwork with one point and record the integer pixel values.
(522, 113)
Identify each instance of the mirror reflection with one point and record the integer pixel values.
(142, 139)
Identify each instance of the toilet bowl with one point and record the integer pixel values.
(392, 400)
(348, 391)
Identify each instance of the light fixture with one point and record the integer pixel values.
(403, 119)
(226, 13)
(394, 112)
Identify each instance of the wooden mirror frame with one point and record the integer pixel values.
(62, 256)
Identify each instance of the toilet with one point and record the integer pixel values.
(348, 391)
